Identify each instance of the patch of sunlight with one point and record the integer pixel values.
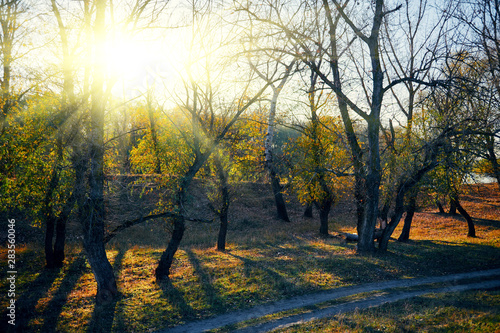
(321, 279)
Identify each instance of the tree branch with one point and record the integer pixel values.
(141, 219)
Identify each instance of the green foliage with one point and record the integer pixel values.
(33, 148)
(320, 158)
(245, 145)
(173, 150)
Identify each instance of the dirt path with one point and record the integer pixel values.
(455, 282)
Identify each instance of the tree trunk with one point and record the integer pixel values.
(367, 228)
(59, 242)
(492, 157)
(268, 150)
(278, 197)
(222, 176)
(440, 207)
(470, 224)
(357, 153)
(50, 219)
(49, 236)
(374, 173)
(453, 207)
(404, 186)
(94, 211)
(410, 211)
(324, 210)
(162, 272)
(395, 218)
(308, 212)
(221, 239)
(61, 230)
(102, 269)
(9, 26)
(384, 214)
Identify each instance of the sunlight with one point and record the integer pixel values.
(138, 63)
(126, 58)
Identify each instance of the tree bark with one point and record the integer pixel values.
(50, 219)
(324, 208)
(308, 212)
(453, 207)
(471, 232)
(9, 25)
(278, 196)
(60, 240)
(223, 210)
(410, 212)
(162, 271)
(384, 214)
(268, 150)
(395, 218)
(492, 158)
(440, 207)
(49, 237)
(404, 186)
(94, 211)
(221, 238)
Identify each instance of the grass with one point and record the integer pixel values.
(474, 311)
(267, 261)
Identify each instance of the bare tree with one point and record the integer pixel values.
(204, 104)
(481, 39)
(353, 53)
(269, 141)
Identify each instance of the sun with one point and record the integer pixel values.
(127, 58)
(138, 62)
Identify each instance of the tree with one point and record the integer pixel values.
(93, 210)
(66, 132)
(11, 22)
(481, 38)
(411, 62)
(321, 169)
(210, 110)
(268, 143)
(275, 64)
(220, 195)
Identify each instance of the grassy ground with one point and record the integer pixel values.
(475, 311)
(267, 260)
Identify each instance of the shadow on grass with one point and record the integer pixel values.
(176, 298)
(282, 285)
(487, 223)
(212, 297)
(25, 305)
(104, 314)
(477, 221)
(430, 257)
(60, 297)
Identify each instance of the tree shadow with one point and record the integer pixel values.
(282, 285)
(25, 305)
(213, 299)
(487, 223)
(104, 314)
(54, 308)
(177, 299)
(445, 257)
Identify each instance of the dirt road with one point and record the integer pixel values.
(419, 286)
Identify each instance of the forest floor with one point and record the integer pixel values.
(267, 261)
